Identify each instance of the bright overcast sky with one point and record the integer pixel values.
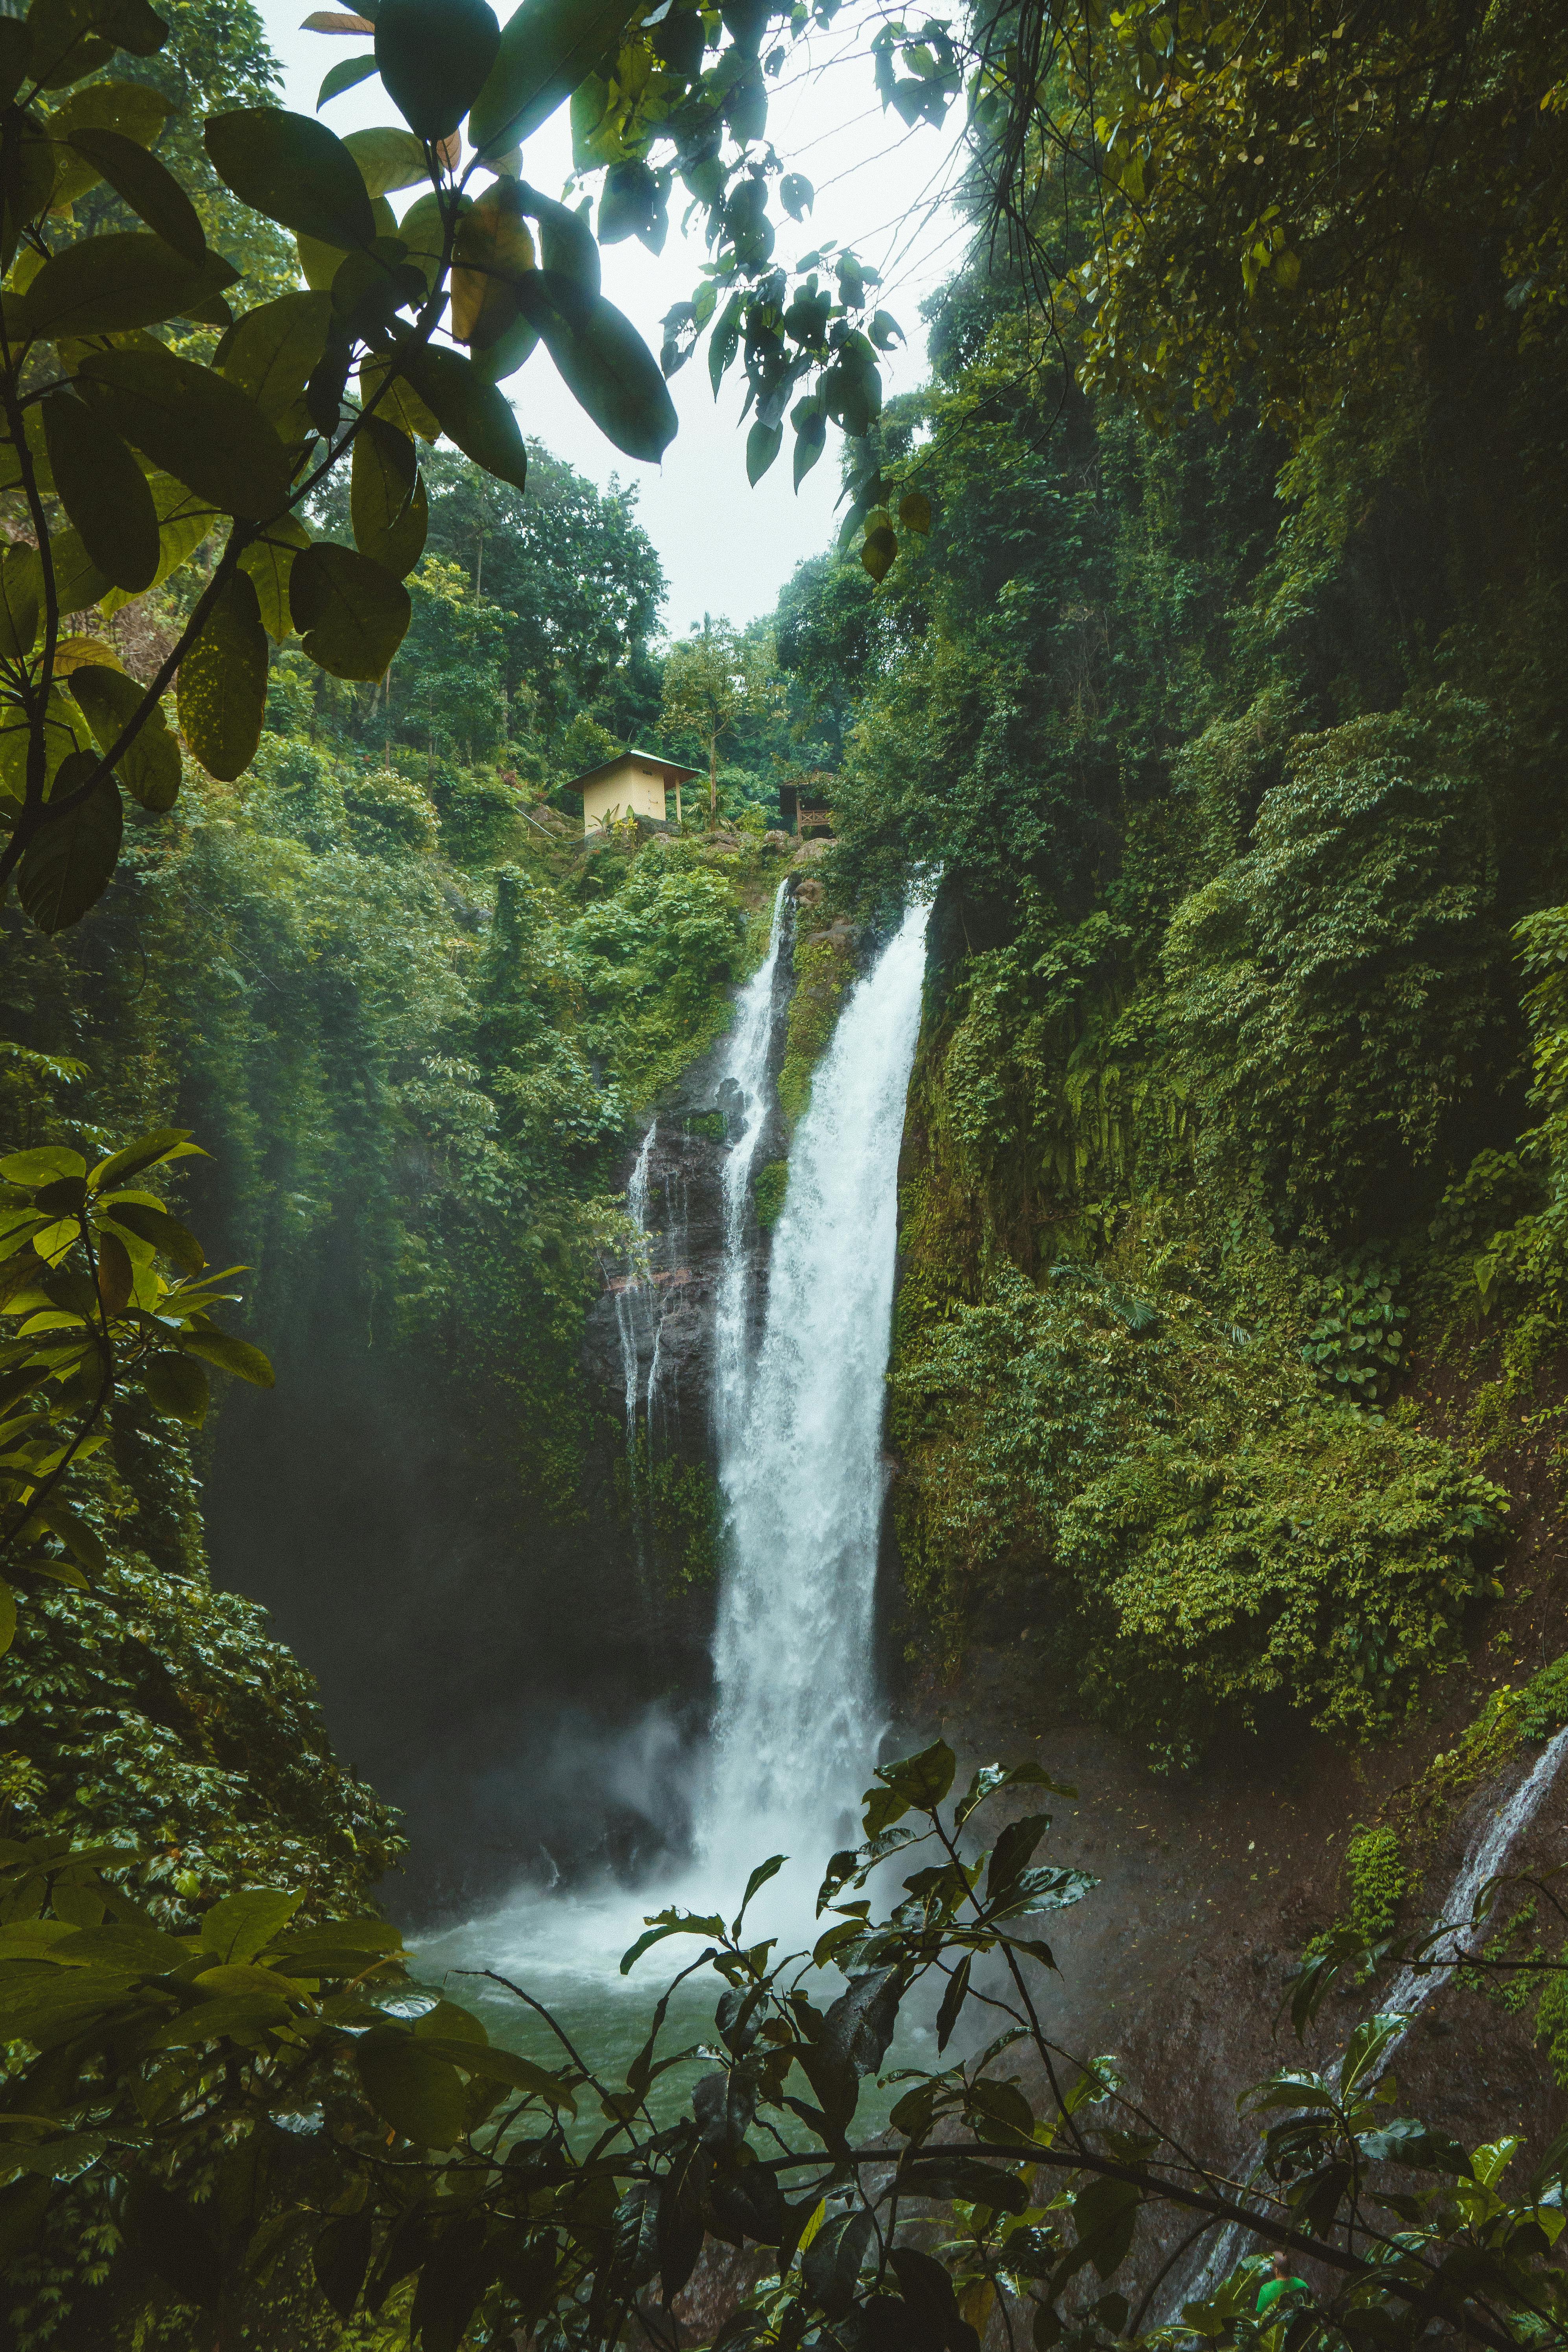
(725, 547)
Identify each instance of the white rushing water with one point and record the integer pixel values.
(800, 1463)
(798, 1428)
(743, 1081)
(637, 1303)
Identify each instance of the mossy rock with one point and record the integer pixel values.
(768, 1193)
(823, 970)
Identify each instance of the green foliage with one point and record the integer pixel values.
(823, 970)
(768, 1189)
(680, 1505)
(1212, 1540)
(714, 682)
(1378, 1873)
(284, 2135)
(139, 457)
(1366, 902)
(156, 1712)
(651, 961)
(1355, 1345)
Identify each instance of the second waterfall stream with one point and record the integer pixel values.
(798, 1413)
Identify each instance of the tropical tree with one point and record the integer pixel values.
(714, 682)
(138, 445)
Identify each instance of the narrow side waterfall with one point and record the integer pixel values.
(800, 1459)
(1412, 1988)
(743, 1092)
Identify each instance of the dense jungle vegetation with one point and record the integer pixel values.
(1194, 638)
(1235, 738)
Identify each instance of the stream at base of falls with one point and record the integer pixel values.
(798, 1431)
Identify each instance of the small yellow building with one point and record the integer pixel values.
(634, 783)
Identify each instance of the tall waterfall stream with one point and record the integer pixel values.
(798, 1418)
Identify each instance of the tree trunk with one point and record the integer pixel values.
(713, 780)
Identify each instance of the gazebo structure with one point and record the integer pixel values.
(803, 805)
(634, 783)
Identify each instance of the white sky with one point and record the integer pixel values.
(725, 547)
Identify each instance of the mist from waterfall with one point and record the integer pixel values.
(801, 1450)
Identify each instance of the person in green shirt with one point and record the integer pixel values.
(1282, 2283)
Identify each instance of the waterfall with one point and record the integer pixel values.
(798, 1426)
(742, 1085)
(1412, 1989)
(800, 1457)
(635, 1300)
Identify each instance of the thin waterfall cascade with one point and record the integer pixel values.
(743, 1090)
(800, 1460)
(638, 1304)
(1412, 1989)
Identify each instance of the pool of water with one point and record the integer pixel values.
(565, 1950)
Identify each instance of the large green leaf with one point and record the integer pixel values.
(271, 352)
(419, 2094)
(547, 48)
(27, 185)
(78, 582)
(470, 411)
(424, 231)
(160, 1231)
(434, 57)
(478, 2057)
(610, 372)
(21, 584)
(320, 259)
(507, 353)
(70, 38)
(103, 490)
(491, 252)
(386, 502)
(16, 46)
(106, 284)
(294, 170)
(130, 108)
(150, 768)
(238, 1927)
(201, 428)
(176, 1388)
(223, 683)
(566, 247)
(352, 615)
(69, 859)
(230, 1355)
(183, 522)
(343, 77)
(388, 159)
(267, 562)
(147, 187)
